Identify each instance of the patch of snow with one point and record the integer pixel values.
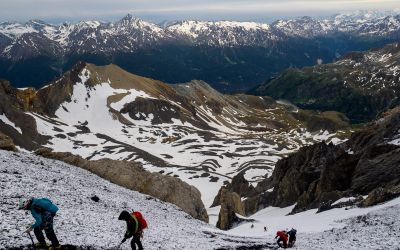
(4, 118)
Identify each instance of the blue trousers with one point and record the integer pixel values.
(47, 225)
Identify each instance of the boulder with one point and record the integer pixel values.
(227, 216)
(132, 175)
(380, 195)
(6, 143)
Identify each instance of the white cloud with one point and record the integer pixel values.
(76, 10)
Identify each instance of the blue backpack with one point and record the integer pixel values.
(47, 205)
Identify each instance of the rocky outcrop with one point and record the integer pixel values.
(15, 105)
(161, 111)
(230, 203)
(318, 175)
(6, 143)
(238, 185)
(133, 176)
(380, 195)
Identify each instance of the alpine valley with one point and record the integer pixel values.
(153, 118)
(230, 56)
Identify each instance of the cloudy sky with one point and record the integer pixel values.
(58, 11)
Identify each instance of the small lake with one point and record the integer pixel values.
(285, 102)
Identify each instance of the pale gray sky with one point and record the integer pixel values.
(57, 11)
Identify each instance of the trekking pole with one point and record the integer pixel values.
(33, 244)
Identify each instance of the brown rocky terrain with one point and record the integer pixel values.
(6, 143)
(133, 176)
(14, 104)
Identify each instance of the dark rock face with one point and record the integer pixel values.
(320, 174)
(162, 111)
(238, 185)
(13, 104)
(254, 204)
(133, 176)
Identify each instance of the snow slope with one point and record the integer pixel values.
(83, 222)
(374, 227)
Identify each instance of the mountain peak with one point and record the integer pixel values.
(128, 17)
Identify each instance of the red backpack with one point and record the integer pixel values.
(142, 222)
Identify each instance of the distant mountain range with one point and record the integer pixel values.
(231, 56)
(365, 14)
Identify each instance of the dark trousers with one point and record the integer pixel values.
(284, 242)
(47, 226)
(292, 238)
(136, 240)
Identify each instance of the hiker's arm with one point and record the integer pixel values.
(38, 218)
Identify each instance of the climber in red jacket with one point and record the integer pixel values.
(282, 237)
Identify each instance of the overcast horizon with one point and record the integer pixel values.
(157, 10)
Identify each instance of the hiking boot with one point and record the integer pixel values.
(55, 248)
(41, 244)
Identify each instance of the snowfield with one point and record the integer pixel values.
(84, 223)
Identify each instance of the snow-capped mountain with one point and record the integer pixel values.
(309, 27)
(254, 51)
(89, 36)
(366, 14)
(135, 31)
(130, 33)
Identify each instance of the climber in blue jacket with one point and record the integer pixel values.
(43, 210)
